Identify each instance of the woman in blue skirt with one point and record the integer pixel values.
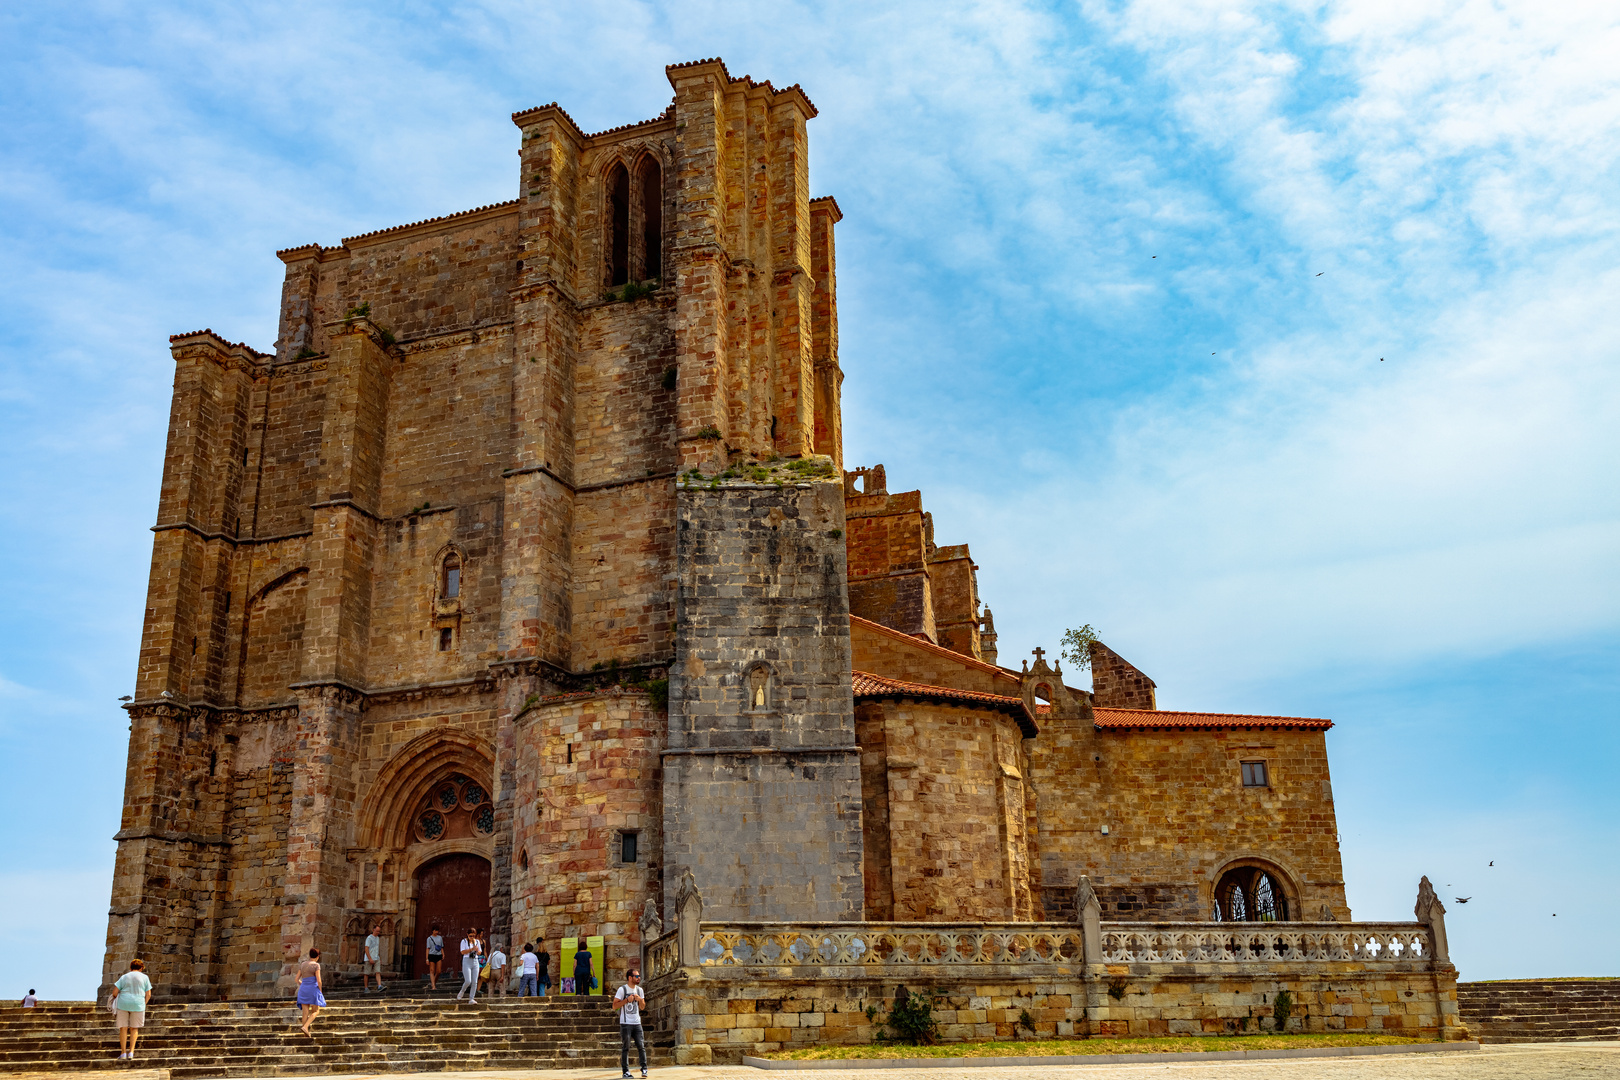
(310, 998)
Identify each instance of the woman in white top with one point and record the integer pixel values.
(472, 960)
(134, 993)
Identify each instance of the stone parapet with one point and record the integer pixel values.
(761, 987)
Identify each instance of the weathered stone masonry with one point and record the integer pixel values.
(529, 551)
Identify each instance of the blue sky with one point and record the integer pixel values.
(1277, 341)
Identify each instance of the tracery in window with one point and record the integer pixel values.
(1249, 894)
(456, 807)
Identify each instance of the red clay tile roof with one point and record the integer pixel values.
(868, 685)
(1121, 719)
(1004, 674)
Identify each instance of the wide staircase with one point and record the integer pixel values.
(391, 1033)
(1541, 1010)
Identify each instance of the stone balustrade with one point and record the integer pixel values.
(879, 949)
(1259, 942)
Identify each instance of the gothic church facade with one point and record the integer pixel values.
(524, 578)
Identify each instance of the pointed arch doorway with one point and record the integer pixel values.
(452, 892)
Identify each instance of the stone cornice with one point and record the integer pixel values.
(477, 684)
(171, 837)
(229, 539)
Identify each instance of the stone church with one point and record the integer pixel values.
(526, 577)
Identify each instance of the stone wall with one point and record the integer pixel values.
(888, 562)
(761, 779)
(897, 655)
(1116, 684)
(718, 1019)
(955, 582)
(1177, 815)
(944, 812)
(592, 762)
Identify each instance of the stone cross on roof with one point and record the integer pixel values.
(1039, 653)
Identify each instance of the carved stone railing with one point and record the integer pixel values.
(1258, 942)
(794, 948)
(769, 949)
(663, 956)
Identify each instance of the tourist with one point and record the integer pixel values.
(545, 971)
(583, 978)
(529, 975)
(310, 999)
(497, 970)
(371, 965)
(134, 994)
(435, 957)
(29, 1000)
(472, 960)
(630, 1021)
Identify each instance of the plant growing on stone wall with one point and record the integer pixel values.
(1281, 1006)
(359, 311)
(1026, 1021)
(708, 432)
(1076, 648)
(1116, 989)
(305, 353)
(911, 1019)
(657, 691)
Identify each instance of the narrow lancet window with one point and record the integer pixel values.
(652, 219)
(452, 577)
(618, 246)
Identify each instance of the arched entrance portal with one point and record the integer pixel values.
(453, 892)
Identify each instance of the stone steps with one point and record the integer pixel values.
(387, 1034)
(1541, 1010)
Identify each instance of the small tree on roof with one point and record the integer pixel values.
(1076, 646)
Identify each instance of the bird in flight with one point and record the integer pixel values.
(1323, 272)
(1464, 899)
(1493, 862)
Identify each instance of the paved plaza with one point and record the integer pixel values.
(1527, 1061)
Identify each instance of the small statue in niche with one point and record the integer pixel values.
(758, 697)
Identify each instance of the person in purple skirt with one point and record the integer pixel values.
(310, 998)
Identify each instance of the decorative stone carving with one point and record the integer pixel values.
(1431, 912)
(652, 924)
(1088, 911)
(688, 914)
(1046, 681)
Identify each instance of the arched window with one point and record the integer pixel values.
(652, 219)
(450, 582)
(456, 807)
(618, 225)
(1249, 894)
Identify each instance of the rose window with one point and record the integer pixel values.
(455, 807)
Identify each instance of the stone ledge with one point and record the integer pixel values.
(1048, 1061)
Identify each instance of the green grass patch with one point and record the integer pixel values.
(1191, 1044)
